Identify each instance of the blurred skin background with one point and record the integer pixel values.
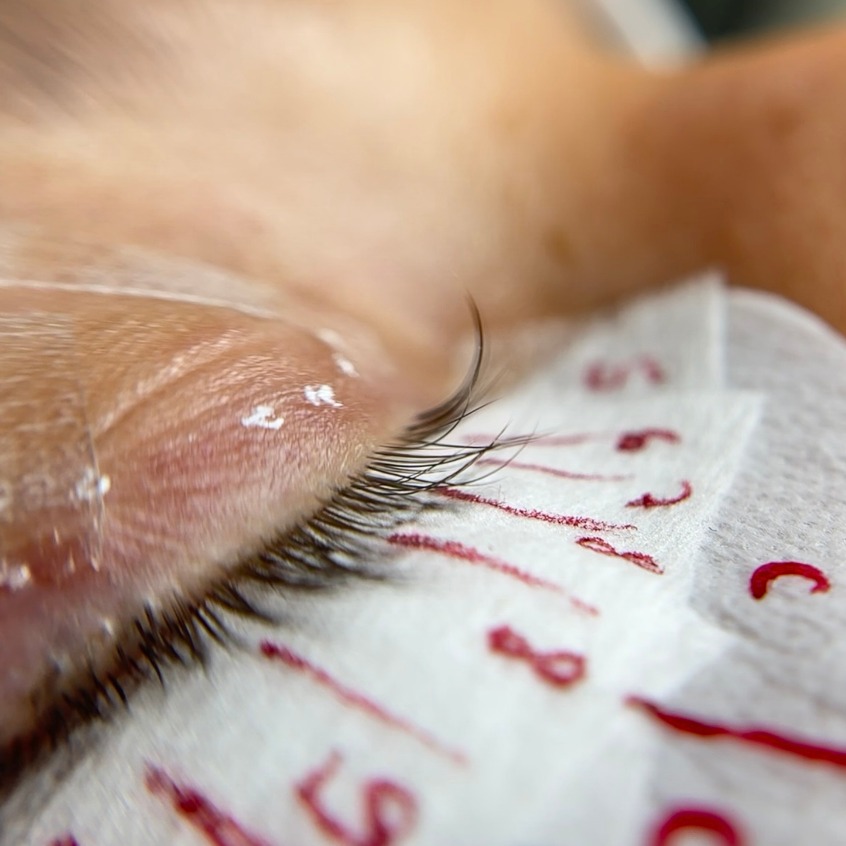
(383, 160)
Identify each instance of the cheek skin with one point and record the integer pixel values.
(146, 447)
(745, 153)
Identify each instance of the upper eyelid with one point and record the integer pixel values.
(128, 529)
(385, 485)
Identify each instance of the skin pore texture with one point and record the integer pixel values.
(237, 239)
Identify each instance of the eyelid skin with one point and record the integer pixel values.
(149, 444)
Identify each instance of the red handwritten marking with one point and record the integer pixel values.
(459, 551)
(755, 737)
(565, 440)
(588, 523)
(532, 440)
(279, 652)
(550, 471)
(390, 810)
(696, 819)
(641, 559)
(636, 441)
(650, 501)
(217, 827)
(560, 669)
(600, 376)
(766, 574)
(65, 841)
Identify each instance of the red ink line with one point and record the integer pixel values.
(217, 827)
(565, 440)
(641, 559)
(755, 737)
(759, 582)
(390, 809)
(532, 440)
(588, 523)
(460, 552)
(650, 501)
(560, 668)
(636, 441)
(696, 819)
(600, 376)
(550, 471)
(278, 652)
(65, 841)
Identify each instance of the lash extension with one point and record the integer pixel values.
(344, 539)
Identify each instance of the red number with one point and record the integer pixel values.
(600, 376)
(761, 579)
(695, 819)
(390, 810)
(560, 669)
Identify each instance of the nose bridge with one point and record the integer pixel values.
(51, 490)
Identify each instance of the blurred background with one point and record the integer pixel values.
(723, 19)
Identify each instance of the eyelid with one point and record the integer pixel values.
(207, 431)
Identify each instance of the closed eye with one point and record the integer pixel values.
(174, 441)
(164, 473)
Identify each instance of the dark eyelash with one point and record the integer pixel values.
(344, 539)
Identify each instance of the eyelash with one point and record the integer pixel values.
(342, 540)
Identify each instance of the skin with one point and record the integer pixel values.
(254, 171)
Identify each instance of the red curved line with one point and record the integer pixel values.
(460, 552)
(354, 698)
(698, 819)
(550, 471)
(650, 501)
(785, 744)
(217, 827)
(759, 582)
(635, 441)
(641, 559)
(589, 523)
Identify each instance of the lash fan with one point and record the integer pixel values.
(342, 540)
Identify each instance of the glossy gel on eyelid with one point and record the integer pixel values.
(46, 515)
(146, 448)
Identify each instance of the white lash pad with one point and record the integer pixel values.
(519, 683)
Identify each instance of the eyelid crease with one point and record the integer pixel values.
(145, 293)
(339, 541)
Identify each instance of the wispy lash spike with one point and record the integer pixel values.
(153, 660)
(229, 597)
(211, 623)
(102, 691)
(115, 684)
